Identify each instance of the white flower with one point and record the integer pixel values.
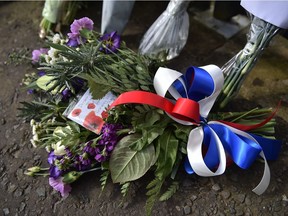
(35, 137)
(59, 149)
(47, 58)
(53, 61)
(32, 122)
(34, 130)
(56, 39)
(53, 53)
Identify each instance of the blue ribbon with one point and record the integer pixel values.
(198, 82)
(243, 151)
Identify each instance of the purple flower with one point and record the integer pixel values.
(77, 84)
(111, 42)
(30, 91)
(37, 53)
(89, 149)
(66, 94)
(58, 185)
(54, 170)
(72, 43)
(52, 157)
(100, 158)
(81, 163)
(68, 153)
(41, 73)
(75, 37)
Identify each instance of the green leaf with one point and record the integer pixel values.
(97, 90)
(58, 46)
(148, 137)
(169, 193)
(103, 179)
(127, 164)
(168, 153)
(47, 82)
(154, 188)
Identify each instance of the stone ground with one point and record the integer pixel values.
(229, 194)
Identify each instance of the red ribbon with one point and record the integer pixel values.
(184, 109)
(251, 127)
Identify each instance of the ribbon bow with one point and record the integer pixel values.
(195, 94)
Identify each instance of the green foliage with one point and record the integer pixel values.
(104, 178)
(168, 145)
(170, 192)
(42, 109)
(154, 189)
(127, 164)
(125, 188)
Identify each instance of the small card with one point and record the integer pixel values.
(89, 112)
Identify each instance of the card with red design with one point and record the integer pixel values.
(89, 112)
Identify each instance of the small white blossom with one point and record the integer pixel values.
(35, 137)
(34, 130)
(47, 58)
(53, 61)
(48, 148)
(32, 122)
(59, 149)
(56, 39)
(53, 53)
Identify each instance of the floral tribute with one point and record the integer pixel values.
(159, 121)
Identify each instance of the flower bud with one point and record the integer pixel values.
(34, 169)
(71, 177)
(29, 173)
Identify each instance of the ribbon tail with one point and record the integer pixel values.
(265, 181)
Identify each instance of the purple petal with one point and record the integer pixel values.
(54, 171)
(30, 91)
(58, 185)
(72, 43)
(41, 73)
(37, 53)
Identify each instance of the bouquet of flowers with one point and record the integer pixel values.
(167, 36)
(263, 29)
(57, 12)
(100, 106)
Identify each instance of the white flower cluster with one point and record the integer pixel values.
(36, 127)
(53, 54)
(37, 130)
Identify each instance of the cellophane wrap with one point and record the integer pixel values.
(52, 10)
(168, 34)
(238, 67)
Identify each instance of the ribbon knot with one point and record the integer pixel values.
(187, 110)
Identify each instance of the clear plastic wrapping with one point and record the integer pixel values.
(237, 68)
(52, 10)
(168, 34)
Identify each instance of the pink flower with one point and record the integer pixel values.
(58, 185)
(37, 53)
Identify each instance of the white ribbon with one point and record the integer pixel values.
(163, 80)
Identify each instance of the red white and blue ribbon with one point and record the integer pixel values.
(195, 94)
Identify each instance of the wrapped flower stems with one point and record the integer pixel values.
(57, 12)
(168, 35)
(264, 26)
